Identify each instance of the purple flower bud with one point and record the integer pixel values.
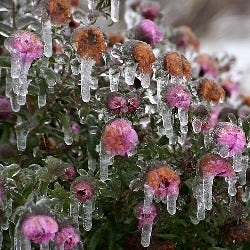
(117, 103)
(150, 11)
(75, 128)
(67, 237)
(40, 228)
(147, 31)
(5, 108)
(83, 189)
(70, 173)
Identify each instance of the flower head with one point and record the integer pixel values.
(117, 103)
(145, 218)
(178, 96)
(39, 228)
(133, 103)
(83, 188)
(75, 128)
(230, 136)
(163, 180)
(5, 108)
(67, 237)
(59, 11)
(89, 42)
(115, 38)
(147, 31)
(70, 173)
(25, 46)
(177, 65)
(150, 11)
(119, 137)
(214, 165)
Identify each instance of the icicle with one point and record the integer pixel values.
(146, 234)
(231, 185)
(171, 203)
(166, 115)
(15, 69)
(74, 210)
(14, 104)
(91, 4)
(86, 79)
(145, 80)
(223, 151)
(20, 241)
(16, 85)
(238, 164)
(208, 191)
(21, 100)
(8, 88)
(41, 100)
(68, 135)
(114, 79)
(196, 124)
(148, 199)
(105, 161)
(23, 80)
(91, 163)
(246, 195)
(183, 116)
(199, 193)
(129, 73)
(159, 84)
(47, 38)
(21, 136)
(87, 215)
(114, 13)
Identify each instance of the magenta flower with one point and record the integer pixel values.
(119, 137)
(24, 46)
(214, 165)
(5, 108)
(229, 137)
(40, 228)
(213, 120)
(231, 87)
(145, 218)
(133, 104)
(150, 11)
(70, 173)
(177, 96)
(147, 31)
(67, 237)
(75, 128)
(83, 189)
(117, 103)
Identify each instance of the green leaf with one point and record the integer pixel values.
(97, 235)
(4, 62)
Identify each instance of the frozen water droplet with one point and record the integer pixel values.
(105, 161)
(87, 215)
(171, 203)
(114, 76)
(194, 220)
(114, 12)
(47, 38)
(148, 199)
(145, 80)
(146, 234)
(21, 136)
(15, 69)
(41, 100)
(8, 88)
(74, 210)
(14, 104)
(231, 185)
(208, 191)
(21, 100)
(91, 163)
(223, 151)
(196, 124)
(183, 116)
(86, 79)
(129, 73)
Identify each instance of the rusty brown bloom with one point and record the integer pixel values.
(210, 90)
(115, 38)
(59, 11)
(177, 65)
(89, 42)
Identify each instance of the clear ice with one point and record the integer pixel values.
(148, 199)
(47, 38)
(146, 234)
(196, 124)
(20, 242)
(87, 214)
(231, 185)
(223, 151)
(86, 78)
(41, 100)
(114, 79)
(145, 80)
(74, 210)
(114, 12)
(246, 194)
(130, 72)
(105, 161)
(171, 203)
(21, 135)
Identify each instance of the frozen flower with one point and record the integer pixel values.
(207, 65)
(24, 46)
(117, 103)
(70, 173)
(40, 228)
(230, 137)
(133, 103)
(145, 218)
(83, 188)
(150, 11)
(213, 119)
(184, 37)
(119, 137)
(214, 165)
(178, 96)
(5, 109)
(175, 64)
(74, 4)
(89, 42)
(147, 31)
(75, 128)
(67, 237)
(210, 90)
(59, 11)
(164, 181)
(115, 38)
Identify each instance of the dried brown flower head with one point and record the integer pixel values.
(145, 57)
(115, 38)
(177, 65)
(246, 99)
(59, 11)
(210, 91)
(90, 42)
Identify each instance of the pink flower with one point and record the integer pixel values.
(177, 96)
(117, 103)
(25, 45)
(150, 11)
(39, 228)
(230, 136)
(67, 237)
(133, 103)
(213, 120)
(145, 218)
(5, 108)
(147, 31)
(119, 137)
(70, 173)
(214, 165)
(231, 87)
(83, 189)
(75, 128)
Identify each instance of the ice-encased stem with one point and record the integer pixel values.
(129, 73)
(21, 136)
(183, 116)
(208, 191)
(146, 234)
(86, 79)
(231, 185)
(87, 215)
(20, 241)
(14, 103)
(105, 161)
(114, 79)
(74, 210)
(148, 199)
(23, 80)
(15, 69)
(114, 12)
(171, 203)
(145, 80)
(47, 38)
